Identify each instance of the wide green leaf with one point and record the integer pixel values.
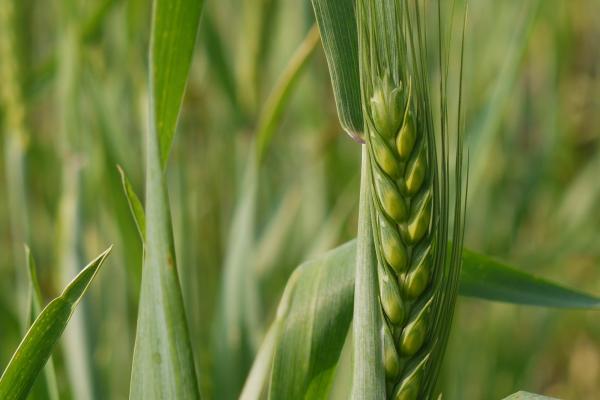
(313, 318)
(337, 25)
(528, 396)
(174, 27)
(315, 324)
(36, 347)
(163, 363)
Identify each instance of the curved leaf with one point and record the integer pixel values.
(36, 347)
(314, 326)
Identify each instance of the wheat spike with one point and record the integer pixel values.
(410, 192)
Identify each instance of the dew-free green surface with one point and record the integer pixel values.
(38, 343)
(163, 362)
(318, 313)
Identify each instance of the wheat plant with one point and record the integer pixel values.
(271, 256)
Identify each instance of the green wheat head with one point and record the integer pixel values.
(410, 188)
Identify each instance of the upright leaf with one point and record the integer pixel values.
(163, 364)
(174, 27)
(368, 376)
(135, 205)
(36, 347)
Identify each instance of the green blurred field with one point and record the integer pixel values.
(532, 84)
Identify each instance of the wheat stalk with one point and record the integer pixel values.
(410, 197)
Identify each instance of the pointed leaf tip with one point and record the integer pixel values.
(37, 345)
(77, 287)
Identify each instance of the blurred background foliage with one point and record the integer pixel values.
(73, 107)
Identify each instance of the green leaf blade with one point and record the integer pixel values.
(36, 347)
(337, 24)
(135, 205)
(486, 278)
(163, 362)
(314, 326)
(175, 24)
(312, 316)
(50, 386)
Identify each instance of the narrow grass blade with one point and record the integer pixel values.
(275, 104)
(50, 387)
(337, 24)
(528, 396)
(135, 205)
(36, 347)
(486, 278)
(314, 323)
(174, 27)
(163, 363)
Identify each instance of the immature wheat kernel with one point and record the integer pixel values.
(403, 205)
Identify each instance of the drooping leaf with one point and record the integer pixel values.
(486, 278)
(315, 318)
(36, 347)
(163, 364)
(337, 25)
(528, 396)
(50, 387)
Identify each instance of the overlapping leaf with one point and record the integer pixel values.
(163, 364)
(317, 319)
